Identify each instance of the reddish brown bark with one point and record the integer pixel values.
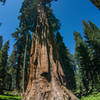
(46, 78)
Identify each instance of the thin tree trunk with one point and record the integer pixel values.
(18, 75)
(46, 77)
(24, 64)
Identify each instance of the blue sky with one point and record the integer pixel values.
(69, 12)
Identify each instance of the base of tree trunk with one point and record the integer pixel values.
(48, 91)
(45, 81)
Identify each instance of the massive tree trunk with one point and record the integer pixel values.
(46, 77)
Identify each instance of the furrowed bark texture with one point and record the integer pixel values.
(46, 77)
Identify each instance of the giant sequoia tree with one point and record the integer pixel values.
(46, 77)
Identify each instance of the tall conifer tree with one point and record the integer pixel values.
(92, 35)
(3, 65)
(46, 77)
(83, 60)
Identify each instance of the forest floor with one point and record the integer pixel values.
(5, 97)
(94, 96)
(10, 96)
